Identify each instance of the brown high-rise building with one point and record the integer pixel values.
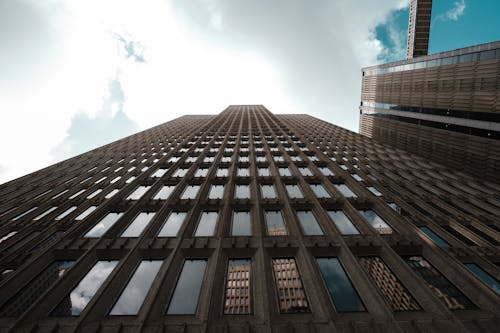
(419, 26)
(248, 221)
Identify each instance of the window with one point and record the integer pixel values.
(284, 172)
(206, 224)
(320, 191)
(93, 194)
(138, 193)
(264, 172)
(244, 159)
(111, 194)
(130, 180)
(187, 291)
(86, 213)
(278, 158)
(434, 237)
(140, 222)
(440, 286)
(172, 224)
(345, 190)
(275, 224)
(24, 213)
(222, 172)
(374, 191)
(342, 222)
(27, 295)
(268, 191)
(208, 159)
(164, 192)
(305, 172)
(243, 172)
(390, 286)
(159, 173)
(339, 286)
(216, 192)
(114, 180)
(137, 288)
(7, 236)
(77, 194)
(294, 191)
(201, 172)
(308, 222)
(65, 213)
(357, 177)
(82, 294)
(241, 225)
(238, 299)
(180, 172)
(326, 171)
(103, 225)
(484, 276)
(226, 159)
(242, 191)
(47, 212)
(376, 221)
(190, 192)
(291, 294)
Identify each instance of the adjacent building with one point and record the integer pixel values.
(444, 106)
(247, 221)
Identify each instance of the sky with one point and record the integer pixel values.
(79, 74)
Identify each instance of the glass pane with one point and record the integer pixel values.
(305, 172)
(216, 192)
(66, 213)
(325, 171)
(201, 172)
(238, 298)
(188, 288)
(85, 290)
(485, 277)
(346, 191)
(243, 172)
(374, 191)
(309, 224)
(440, 286)
(85, 213)
(159, 173)
(320, 191)
(138, 193)
(7, 236)
(264, 172)
(172, 224)
(222, 172)
(268, 191)
(343, 294)
(164, 192)
(342, 222)
(275, 223)
(140, 222)
(434, 237)
(294, 191)
(207, 223)
(103, 225)
(291, 295)
(376, 221)
(241, 225)
(30, 293)
(190, 192)
(392, 289)
(242, 191)
(111, 194)
(180, 172)
(284, 172)
(47, 212)
(135, 292)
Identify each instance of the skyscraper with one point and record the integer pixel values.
(419, 26)
(248, 221)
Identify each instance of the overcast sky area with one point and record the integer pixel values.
(75, 75)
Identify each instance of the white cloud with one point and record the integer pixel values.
(200, 56)
(458, 10)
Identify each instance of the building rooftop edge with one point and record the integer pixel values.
(464, 50)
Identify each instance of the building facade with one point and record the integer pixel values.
(248, 221)
(445, 107)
